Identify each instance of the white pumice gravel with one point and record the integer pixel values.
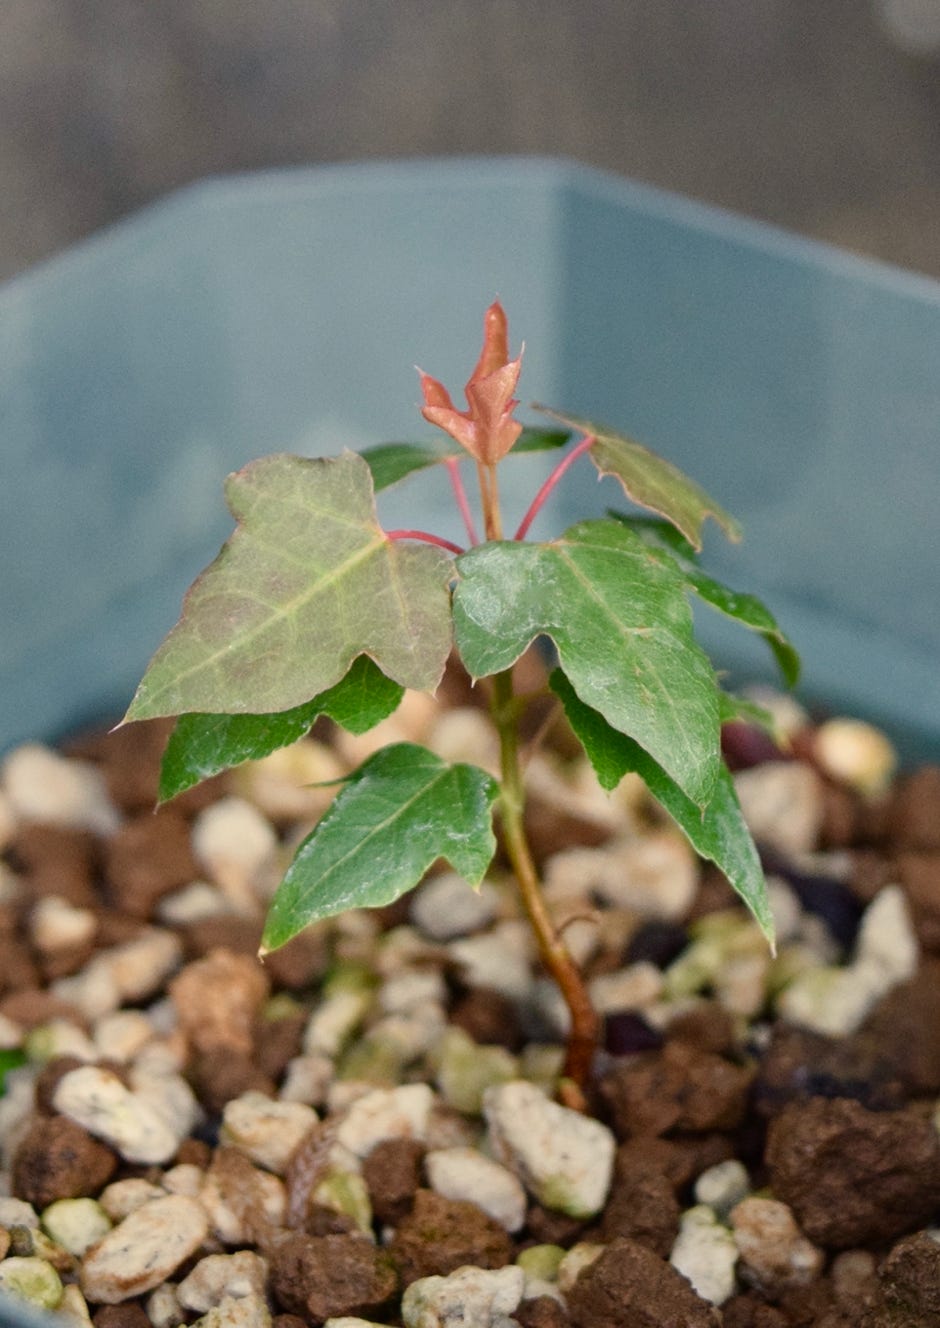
(411, 988)
(41, 785)
(722, 1186)
(334, 1021)
(836, 1000)
(218, 1276)
(856, 754)
(655, 875)
(468, 1296)
(782, 802)
(565, 1160)
(236, 846)
(445, 907)
(144, 1250)
(775, 1254)
(55, 924)
(705, 1252)
(494, 959)
(29, 1278)
(466, 1173)
(237, 1312)
(228, 1225)
(266, 1129)
(386, 1113)
(137, 1129)
(76, 1224)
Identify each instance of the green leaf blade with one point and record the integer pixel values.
(717, 832)
(401, 810)
(307, 582)
(618, 615)
(743, 608)
(204, 745)
(653, 482)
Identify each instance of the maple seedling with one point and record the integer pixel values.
(312, 608)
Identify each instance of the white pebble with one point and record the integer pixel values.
(17, 1213)
(73, 1308)
(655, 875)
(41, 785)
(97, 1099)
(7, 821)
(563, 1158)
(574, 1261)
(31, 1279)
(59, 1037)
(184, 1178)
(125, 973)
(122, 1197)
(307, 1079)
(856, 754)
(705, 1253)
(266, 1129)
(632, 988)
(782, 802)
(836, 1001)
(386, 1113)
(236, 845)
(75, 1224)
(469, 1296)
(333, 1023)
(775, 1255)
(232, 1226)
(886, 937)
(220, 1275)
(144, 1250)
(163, 1307)
(236, 1312)
(723, 1185)
(446, 907)
(466, 1173)
(193, 903)
(121, 1034)
(495, 959)
(411, 987)
(55, 924)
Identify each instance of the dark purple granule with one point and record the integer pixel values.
(626, 1033)
(656, 943)
(830, 900)
(746, 745)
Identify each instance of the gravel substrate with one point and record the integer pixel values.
(361, 1130)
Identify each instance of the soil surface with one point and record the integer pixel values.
(361, 1130)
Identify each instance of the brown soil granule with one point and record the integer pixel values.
(629, 1285)
(57, 1159)
(644, 1207)
(854, 1177)
(319, 1277)
(441, 1235)
(677, 1088)
(392, 1173)
(147, 858)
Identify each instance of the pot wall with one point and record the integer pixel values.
(284, 311)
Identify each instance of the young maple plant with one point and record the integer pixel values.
(311, 609)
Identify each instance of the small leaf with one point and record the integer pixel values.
(717, 832)
(746, 609)
(618, 614)
(651, 481)
(391, 462)
(307, 582)
(204, 745)
(400, 811)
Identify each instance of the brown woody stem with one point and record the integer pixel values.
(583, 1035)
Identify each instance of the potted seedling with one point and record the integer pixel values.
(312, 608)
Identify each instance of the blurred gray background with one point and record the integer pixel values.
(820, 115)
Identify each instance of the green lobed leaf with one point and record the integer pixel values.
(401, 810)
(204, 745)
(717, 832)
(651, 481)
(391, 462)
(744, 608)
(307, 582)
(618, 614)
